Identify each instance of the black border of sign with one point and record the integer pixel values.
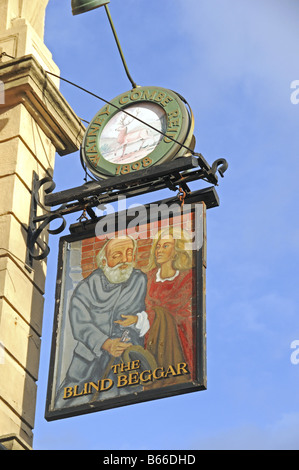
(164, 392)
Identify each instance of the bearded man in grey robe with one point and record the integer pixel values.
(104, 306)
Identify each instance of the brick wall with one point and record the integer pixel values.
(90, 248)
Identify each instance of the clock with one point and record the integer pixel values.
(140, 128)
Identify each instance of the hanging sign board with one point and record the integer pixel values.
(129, 323)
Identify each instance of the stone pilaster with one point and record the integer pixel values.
(35, 123)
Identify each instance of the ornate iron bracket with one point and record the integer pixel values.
(38, 249)
(175, 175)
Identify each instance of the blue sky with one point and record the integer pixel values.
(234, 62)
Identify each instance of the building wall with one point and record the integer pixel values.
(35, 123)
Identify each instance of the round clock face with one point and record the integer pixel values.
(138, 129)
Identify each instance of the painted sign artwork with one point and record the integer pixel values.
(126, 140)
(130, 317)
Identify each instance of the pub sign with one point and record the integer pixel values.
(129, 321)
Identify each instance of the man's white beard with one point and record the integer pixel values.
(116, 275)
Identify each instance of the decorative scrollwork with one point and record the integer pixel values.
(37, 248)
(35, 234)
(221, 166)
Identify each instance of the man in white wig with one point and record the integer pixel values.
(104, 306)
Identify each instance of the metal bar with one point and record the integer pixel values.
(207, 195)
(134, 85)
(96, 195)
(148, 175)
(94, 200)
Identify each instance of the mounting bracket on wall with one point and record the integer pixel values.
(37, 248)
(175, 175)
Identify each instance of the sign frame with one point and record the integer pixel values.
(199, 380)
(179, 127)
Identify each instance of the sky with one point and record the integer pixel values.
(235, 62)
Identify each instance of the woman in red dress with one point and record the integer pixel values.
(169, 301)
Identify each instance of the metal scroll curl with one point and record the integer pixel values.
(38, 249)
(42, 245)
(221, 166)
